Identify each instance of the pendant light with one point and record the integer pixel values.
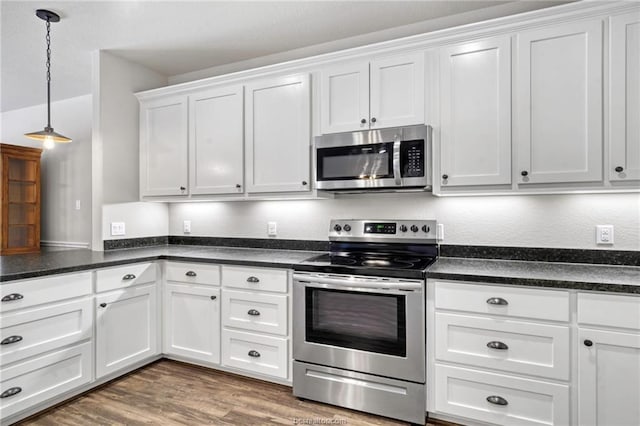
(48, 136)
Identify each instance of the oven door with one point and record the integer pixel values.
(366, 324)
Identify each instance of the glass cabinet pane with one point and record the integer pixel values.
(22, 192)
(23, 170)
(21, 236)
(22, 214)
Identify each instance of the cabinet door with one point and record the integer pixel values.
(397, 91)
(559, 103)
(126, 328)
(163, 147)
(215, 141)
(625, 97)
(609, 378)
(345, 98)
(192, 322)
(475, 104)
(278, 134)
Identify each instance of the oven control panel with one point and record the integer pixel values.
(383, 230)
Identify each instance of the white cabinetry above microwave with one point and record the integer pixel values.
(386, 92)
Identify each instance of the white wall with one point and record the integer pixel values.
(116, 148)
(141, 219)
(560, 221)
(66, 169)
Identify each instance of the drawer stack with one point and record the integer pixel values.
(255, 320)
(45, 339)
(502, 354)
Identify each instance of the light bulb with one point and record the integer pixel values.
(48, 142)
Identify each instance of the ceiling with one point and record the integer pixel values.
(176, 37)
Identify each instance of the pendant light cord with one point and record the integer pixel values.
(48, 74)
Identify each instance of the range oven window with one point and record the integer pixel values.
(372, 161)
(356, 320)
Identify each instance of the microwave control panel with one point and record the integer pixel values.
(412, 158)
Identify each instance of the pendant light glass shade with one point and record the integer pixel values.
(48, 136)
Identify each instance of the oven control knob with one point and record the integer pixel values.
(414, 228)
(347, 227)
(403, 228)
(337, 228)
(425, 228)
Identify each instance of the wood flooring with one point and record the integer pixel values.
(173, 393)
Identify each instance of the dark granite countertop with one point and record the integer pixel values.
(50, 262)
(581, 276)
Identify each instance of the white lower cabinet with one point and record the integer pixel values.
(254, 352)
(126, 328)
(608, 360)
(500, 398)
(31, 382)
(192, 322)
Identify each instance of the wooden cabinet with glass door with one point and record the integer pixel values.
(20, 218)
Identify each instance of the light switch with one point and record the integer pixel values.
(186, 226)
(272, 229)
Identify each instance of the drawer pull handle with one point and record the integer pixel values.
(11, 297)
(191, 274)
(128, 277)
(498, 345)
(588, 343)
(10, 392)
(497, 400)
(253, 312)
(11, 339)
(497, 301)
(103, 305)
(214, 297)
(253, 280)
(254, 354)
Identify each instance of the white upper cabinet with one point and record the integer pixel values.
(558, 103)
(625, 97)
(216, 141)
(382, 93)
(163, 147)
(475, 113)
(278, 134)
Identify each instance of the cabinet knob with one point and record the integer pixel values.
(253, 312)
(445, 177)
(11, 339)
(304, 183)
(214, 297)
(253, 280)
(497, 345)
(10, 392)
(373, 119)
(11, 297)
(524, 173)
(190, 274)
(619, 169)
(496, 301)
(497, 400)
(254, 354)
(103, 305)
(182, 188)
(363, 121)
(128, 277)
(588, 343)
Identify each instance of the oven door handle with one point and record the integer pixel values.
(397, 174)
(359, 283)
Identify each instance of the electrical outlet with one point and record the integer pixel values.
(440, 232)
(272, 229)
(117, 228)
(604, 234)
(186, 226)
(77, 204)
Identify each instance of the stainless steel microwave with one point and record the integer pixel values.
(385, 159)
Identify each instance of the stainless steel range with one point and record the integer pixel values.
(359, 318)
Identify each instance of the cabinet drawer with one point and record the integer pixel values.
(526, 347)
(44, 328)
(496, 300)
(45, 377)
(255, 311)
(465, 392)
(194, 273)
(609, 310)
(263, 279)
(125, 276)
(255, 353)
(22, 294)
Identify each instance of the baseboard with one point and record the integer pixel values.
(64, 244)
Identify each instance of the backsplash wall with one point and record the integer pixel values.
(559, 221)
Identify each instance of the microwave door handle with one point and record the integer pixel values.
(396, 162)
